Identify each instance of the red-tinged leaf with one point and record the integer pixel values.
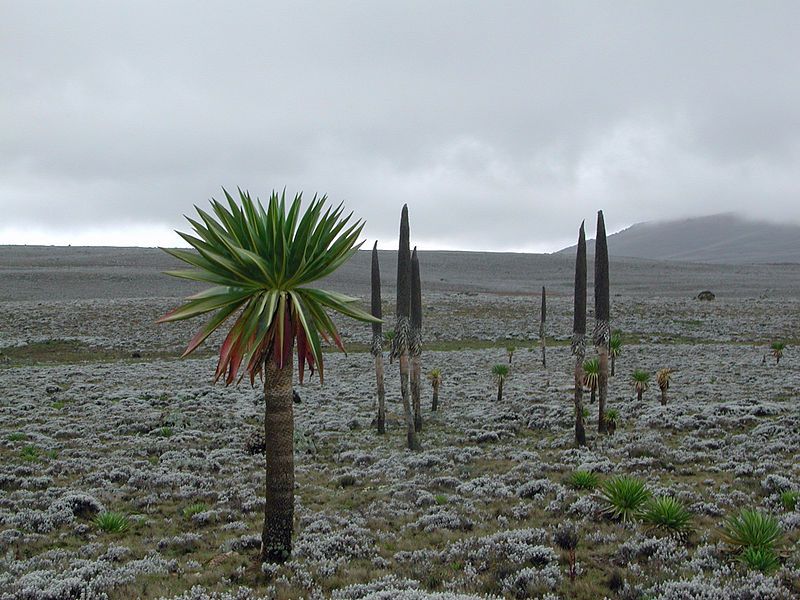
(301, 353)
(166, 317)
(257, 359)
(338, 342)
(226, 348)
(209, 328)
(235, 361)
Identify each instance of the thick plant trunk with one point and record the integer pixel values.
(593, 397)
(602, 388)
(413, 440)
(580, 430)
(500, 390)
(435, 401)
(613, 364)
(663, 397)
(639, 395)
(381, 393)
(416, 369)
(276, 537)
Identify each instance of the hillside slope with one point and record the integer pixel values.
(724, 238)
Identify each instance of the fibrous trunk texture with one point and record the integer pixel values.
(377, 340)
(579, 334)
(411, 435)
(276, 537)
(663, 396)
(580, 431)
(500, 390)
(541, 327)
(435, 401)
(613, 364)
(639, 395)
(415, 340)
(416, 370)
(602, 328)
(402, 331)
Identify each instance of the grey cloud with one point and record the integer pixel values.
(502, 125)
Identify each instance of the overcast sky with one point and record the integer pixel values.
(501, 124)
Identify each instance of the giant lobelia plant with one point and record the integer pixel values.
(542, 338)
(415, 340)
(401, 341)
(261, 262)
(377, 339)
(602, 326)
(579, 334)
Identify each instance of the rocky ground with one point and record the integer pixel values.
(98, 414)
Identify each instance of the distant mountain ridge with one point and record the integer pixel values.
(721, 239)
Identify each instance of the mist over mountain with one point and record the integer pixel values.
(721, 239)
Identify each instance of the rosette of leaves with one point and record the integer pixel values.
(624, 496)
(667, 514)
(261, 262)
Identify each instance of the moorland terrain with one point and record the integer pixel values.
(99, 414)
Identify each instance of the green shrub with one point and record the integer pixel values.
(59, 404)
(751, 529)
(165, 432)
(760, 559)
(17, 437)
(583, 480)
(667, 514)
(624, 497)
(194, 509)
(440, 499)
(112, 522)
(30, 453)
(789, 499)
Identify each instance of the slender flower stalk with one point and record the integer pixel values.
(377, 340)
(415, 341)
(402, 329)
(579, 334)
(542, 338)
(602, 327)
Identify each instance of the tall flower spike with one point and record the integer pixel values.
(377, 327)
